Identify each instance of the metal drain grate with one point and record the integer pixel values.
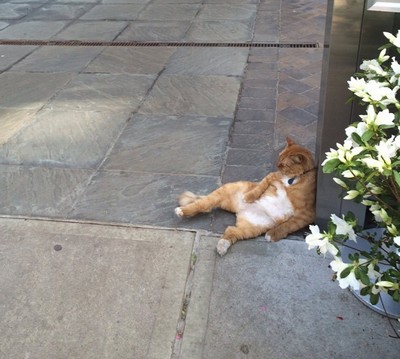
(155, 44)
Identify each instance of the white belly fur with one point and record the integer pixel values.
(267, 210)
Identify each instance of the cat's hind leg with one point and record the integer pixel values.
(243, 230)
(225, 197)
(191, 204)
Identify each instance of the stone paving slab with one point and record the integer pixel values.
(276, 301)
(220, 31)
(29, 90)
(103, 92)
(208, 61)
(155, 31)
(40, 191)
(213, 96)
(92, 30)
(58, 59)
(64, 139)
(141, 198)
(131, 60)
(169, 144)
(82, 291)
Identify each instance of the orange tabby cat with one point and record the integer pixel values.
(283, 202)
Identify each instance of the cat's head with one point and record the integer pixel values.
(294, 159)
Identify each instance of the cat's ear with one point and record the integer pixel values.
(299, 158)
(289, 142)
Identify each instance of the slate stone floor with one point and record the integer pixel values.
(114, 134)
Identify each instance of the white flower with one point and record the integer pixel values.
(374, 189)
(397, 240)
(351, 194)
(373, 163)
(382, 56)
(352, 173)
(380, 214)
(343, 228)
(317, 240)
(373, 66)
(360, 129)
(384, 118)
(395, 40)
(357, 86)
(385, 284)
(338, 266)
(340, 182)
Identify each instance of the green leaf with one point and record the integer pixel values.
(331, 165)
(397, 177)
(396, 296)
(345, 272)
(364, 291)
(357, 139)
(363, 276)
(374, 298)
(366, 136)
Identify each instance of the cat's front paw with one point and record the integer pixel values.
(249, 197)
(223, 246)
(179, 212)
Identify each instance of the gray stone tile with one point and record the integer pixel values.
(40, 191)
(179, 145)
(42, 30)
(220, 31)
(177, 12)
(113, 12)
(141, 198)
(59, 11)
(215, 12)
(255, 115)
(14, 11)
(252, 142)
(298, 115)
(233, 173)
(112, 291)
(58, 59)
(231, 2)
(13, 120)
(176, 1)
(257, 103)
(244, 157)
(208, 61)
(125, 1)
(92, 30)
(10, 54)
(253, 127)
(131, 60)
(155, 31)
(213, 96)
(3, 24)
(64, 139)
(29, 91)
(103, 92)
(72, 1)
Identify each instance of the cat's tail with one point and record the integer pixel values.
(187, 197)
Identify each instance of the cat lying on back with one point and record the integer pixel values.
(283, 202)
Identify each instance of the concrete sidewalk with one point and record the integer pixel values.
(96, 142)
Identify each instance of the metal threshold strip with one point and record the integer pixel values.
(155, 44)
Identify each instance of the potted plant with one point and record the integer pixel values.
(367, 167)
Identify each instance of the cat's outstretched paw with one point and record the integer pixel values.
(222, 246)
(249, 197)
(179, 212)
(268, 238)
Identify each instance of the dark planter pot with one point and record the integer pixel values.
(386, 305)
